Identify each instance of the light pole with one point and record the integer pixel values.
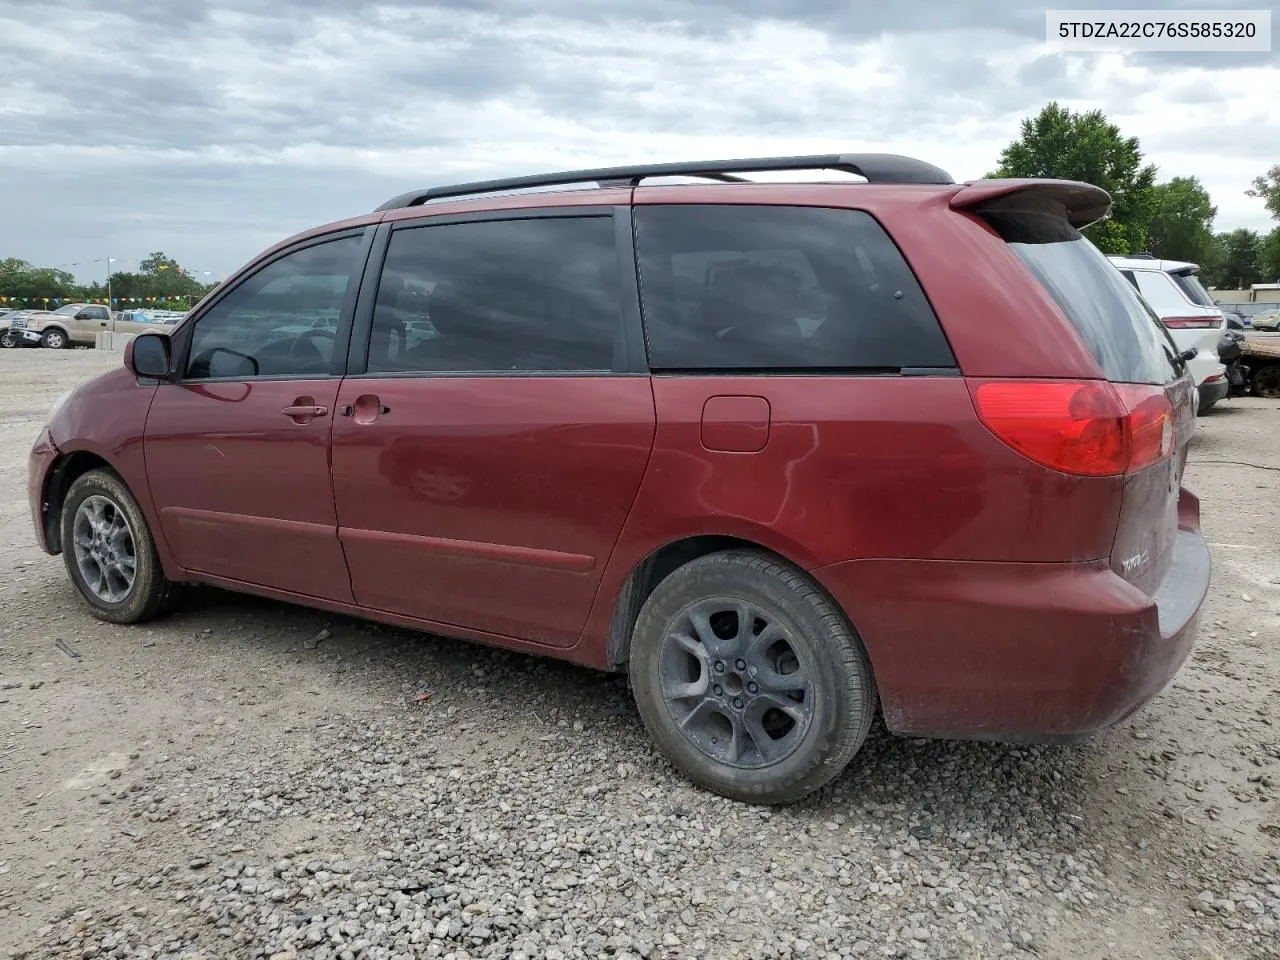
(111, 314)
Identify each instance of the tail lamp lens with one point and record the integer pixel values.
(1089, 428)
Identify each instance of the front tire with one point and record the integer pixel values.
(55, 340)
(110, 554)
(8, 340)
(750, 679)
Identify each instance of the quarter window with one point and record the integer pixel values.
(537, 294)
(785, 288)
(280, 322)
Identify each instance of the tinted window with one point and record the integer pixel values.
(281, 321)
(1191, 287)
(499, 295)
(1119, 329)
(759, 287)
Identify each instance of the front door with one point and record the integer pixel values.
(485, 463)
(237, 450)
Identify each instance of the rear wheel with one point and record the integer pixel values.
(1266, 381)
(109, 552)
(750, 679)
(55, 340)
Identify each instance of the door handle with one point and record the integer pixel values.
(366, 409)
(302, 411)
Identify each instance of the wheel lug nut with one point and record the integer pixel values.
(753, 688)
(718, 689)
(737, 702)
(719, 667)
(741, 664)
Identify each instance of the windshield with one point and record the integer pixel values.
(1191, 287)
(70, 310)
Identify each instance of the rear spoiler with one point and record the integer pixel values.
(1079, 203)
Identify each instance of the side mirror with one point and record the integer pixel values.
(147, 355)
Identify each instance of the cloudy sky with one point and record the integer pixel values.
(212, 129)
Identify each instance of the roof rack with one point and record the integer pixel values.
(876, 167)
(1141, 256)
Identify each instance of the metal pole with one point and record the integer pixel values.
(111, 313)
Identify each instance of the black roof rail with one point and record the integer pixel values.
(1141, 256)
(876, 167)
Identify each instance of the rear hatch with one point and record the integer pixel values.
(1138, 424)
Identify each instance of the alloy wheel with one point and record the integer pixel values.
(104, 549)
(735, 684)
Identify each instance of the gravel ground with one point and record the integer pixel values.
(249, 779)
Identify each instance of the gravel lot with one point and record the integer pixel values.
(249, 779)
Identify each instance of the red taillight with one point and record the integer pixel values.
(1191, 323)
(1087, 427)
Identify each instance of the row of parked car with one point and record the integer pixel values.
(1219, 356)
(76, 324)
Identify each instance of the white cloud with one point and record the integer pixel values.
(210, 131)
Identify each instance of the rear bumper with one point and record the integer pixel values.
(41, 459)
(1019, 652)
(1212, 392)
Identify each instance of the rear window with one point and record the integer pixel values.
(1120, 330)
(779, 288)
(1190, 285)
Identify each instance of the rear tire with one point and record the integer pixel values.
(750, 679)
(1266, 381)
(55, 340)
(109, 552)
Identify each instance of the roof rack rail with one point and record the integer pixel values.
(1141, 256)
(876, 167)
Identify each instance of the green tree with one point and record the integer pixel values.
(1267, 189)
(1235, 260)
(1269, 257)
(1059, 143)
(1181, 225)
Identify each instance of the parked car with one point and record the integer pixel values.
(14, 332)
(1175, 293)
(786, 453)
(1267, 321)
(140, 321)
(73, 324)
(1236, 319)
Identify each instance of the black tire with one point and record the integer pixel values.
(149, 593)
(839, 698)
(1265, 381)
(55, 340)
(8, 340)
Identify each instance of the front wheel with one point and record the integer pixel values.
(109, 552)
(8, 339)
(55, 339)
(750, 679)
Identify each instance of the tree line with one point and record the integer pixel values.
(1171, 220)
(160, 281)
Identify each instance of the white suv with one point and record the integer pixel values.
(1173, 291)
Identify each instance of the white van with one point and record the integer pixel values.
(1173, 291)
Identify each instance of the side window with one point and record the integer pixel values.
(761, 287)
(281, 321)
(1158, 289)
(538, 294)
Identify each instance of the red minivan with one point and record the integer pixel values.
(786, 453)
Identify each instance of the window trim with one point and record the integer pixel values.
(181, 339)
(632, 359)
